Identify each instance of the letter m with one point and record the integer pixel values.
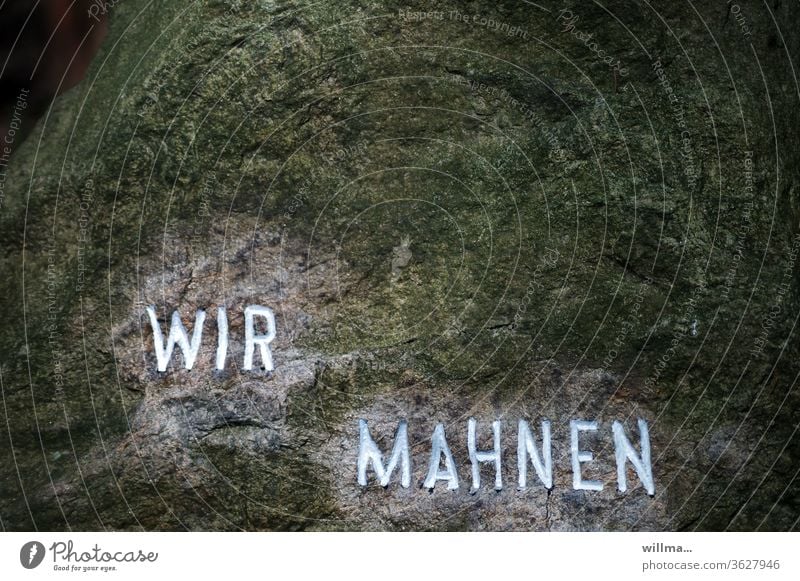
(369, 453)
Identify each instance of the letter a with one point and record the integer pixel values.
(438, 447)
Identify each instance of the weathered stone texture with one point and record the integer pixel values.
(450, 219)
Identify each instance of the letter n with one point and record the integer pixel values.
(368, 452)
(526, 446)
(625, 451)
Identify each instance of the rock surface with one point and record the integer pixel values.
(456, 209)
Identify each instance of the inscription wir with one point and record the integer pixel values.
(178, 335)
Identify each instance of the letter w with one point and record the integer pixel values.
(177, 335)
(368, 452)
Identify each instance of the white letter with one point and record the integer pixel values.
(177, 334)
(578, 456)
(527, 446)
(369, 452)
(222, 337)
(477, 457)
(625, 451)
(263, 341)
(438, 447)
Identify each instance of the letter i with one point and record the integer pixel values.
(222, 337)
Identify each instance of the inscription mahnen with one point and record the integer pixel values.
(442, 466)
